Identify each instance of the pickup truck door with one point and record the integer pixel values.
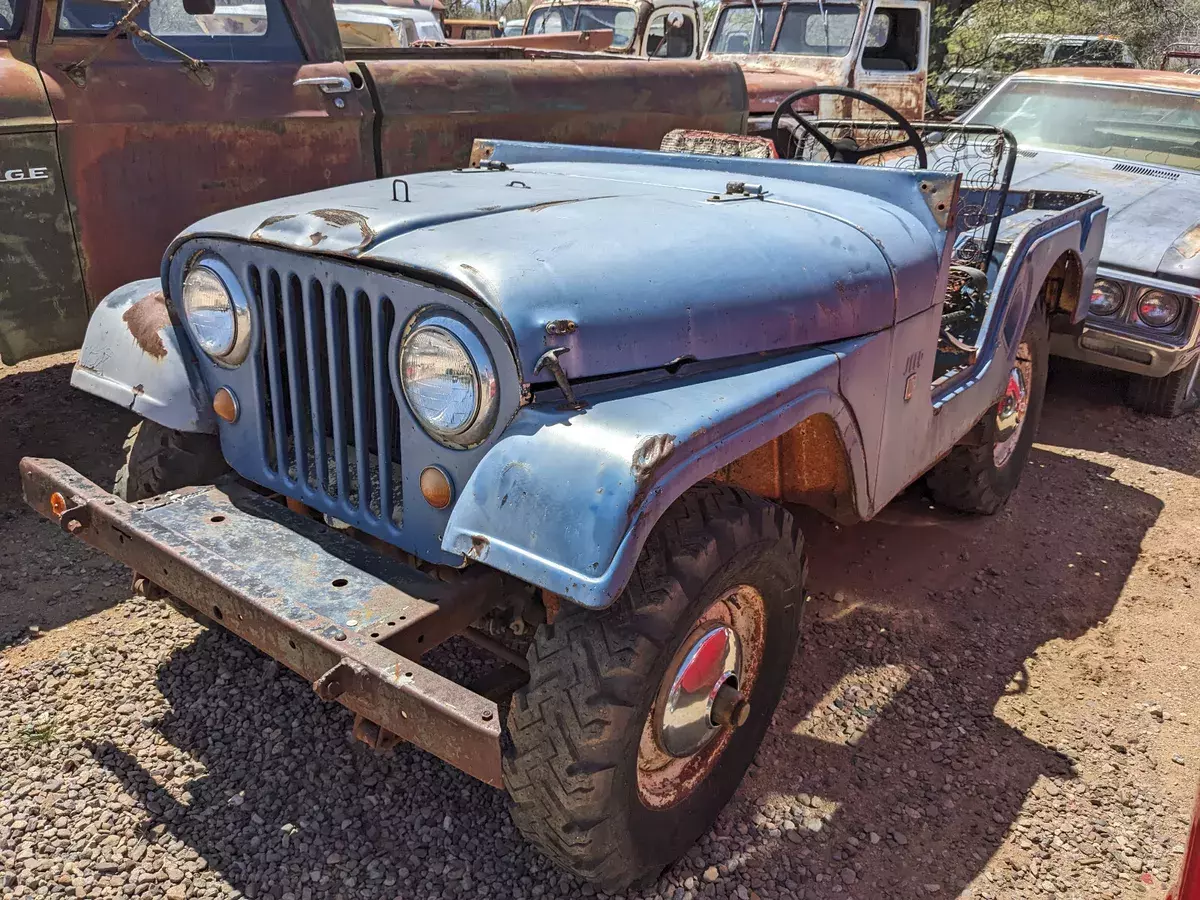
(893, 63)
(672, 32)
(149, 143)
(42, 308)
(433, 110)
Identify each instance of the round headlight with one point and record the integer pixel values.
(217, 312)
(1158, 309)
(448, 380)
(1107, 298)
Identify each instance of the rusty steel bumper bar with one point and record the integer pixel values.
(325, 605)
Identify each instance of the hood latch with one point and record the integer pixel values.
(739, 190)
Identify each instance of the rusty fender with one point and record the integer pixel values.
(134, 356)
(567, 497)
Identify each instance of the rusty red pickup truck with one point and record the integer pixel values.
(120, 124)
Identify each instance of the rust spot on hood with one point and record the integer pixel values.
(538, 207)
(342, 218)
(336, 229)
(145, 319)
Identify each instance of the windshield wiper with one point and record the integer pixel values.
(758, 24)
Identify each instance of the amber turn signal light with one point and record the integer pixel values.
(225, 405)
(435, 487)
(58, 504)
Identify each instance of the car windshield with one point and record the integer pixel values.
(1106, 120)
(808, 29)
(1012, 56)
(581, 17)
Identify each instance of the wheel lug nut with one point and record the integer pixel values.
(730, 707)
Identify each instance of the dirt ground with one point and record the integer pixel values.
(996, 707)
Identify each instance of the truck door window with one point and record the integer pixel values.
(893, 41)
(574, 17)
(235, 31)
(550, 21)
(737, 31)
(1065, 53)
(10, 17)
(671, 35)
(810, 29)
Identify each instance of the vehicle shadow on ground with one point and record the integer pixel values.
(945, 615)
(43, 572)
(953, 606)
(1086, 410)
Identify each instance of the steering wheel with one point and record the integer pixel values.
(843, 150)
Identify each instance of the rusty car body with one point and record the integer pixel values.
(472, 29)
(595, 374)
(109, 147)
(1131, 135)
(877, 46)
(644, 29)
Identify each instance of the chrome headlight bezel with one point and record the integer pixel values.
(238, 345)
(483, 419)
(1179, 303)
(1117, 290)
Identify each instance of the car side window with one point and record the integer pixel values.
(245, 32)
(671, 35)
(893, 41)
(10, 22)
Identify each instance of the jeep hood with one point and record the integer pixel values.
(641, 263)
(1153, 219)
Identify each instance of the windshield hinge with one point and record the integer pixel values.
(739, 190)
(197, 69)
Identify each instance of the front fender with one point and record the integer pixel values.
(134, 356)
(565, 499)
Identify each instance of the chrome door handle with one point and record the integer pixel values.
(330, 84)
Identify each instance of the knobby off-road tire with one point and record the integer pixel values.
(575, 748)
(158, 460)
(1168, 397)
(973, 478)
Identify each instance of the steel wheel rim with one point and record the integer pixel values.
(731, 632)
(1014, 405)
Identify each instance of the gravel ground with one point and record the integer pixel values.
(993, 708)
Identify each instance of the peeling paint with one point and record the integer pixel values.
(145, 319)
(1188, 244)
(650, 454)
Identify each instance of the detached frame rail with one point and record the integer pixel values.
(265, 576)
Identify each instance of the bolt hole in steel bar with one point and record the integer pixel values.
(339, 582)
(217, 519)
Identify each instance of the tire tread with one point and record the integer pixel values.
(560, 758)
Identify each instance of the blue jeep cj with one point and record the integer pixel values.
(562, 397)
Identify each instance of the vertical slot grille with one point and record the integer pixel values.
(329, 423)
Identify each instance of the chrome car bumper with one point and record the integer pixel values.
(1117, 350)
(1120, 342)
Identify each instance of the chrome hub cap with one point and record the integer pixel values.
(1010, 414)
(713, 665)
(703, 697)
